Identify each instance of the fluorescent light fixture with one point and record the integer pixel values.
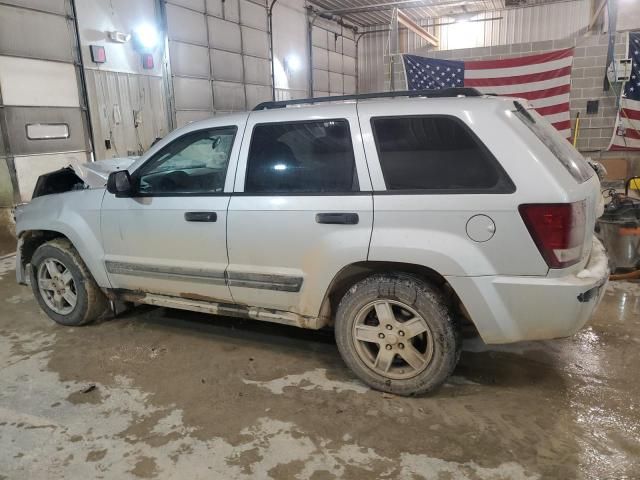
(146, 36)
(279, 166)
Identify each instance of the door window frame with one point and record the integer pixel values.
(292, 194)
(229, 173)
(343, 112)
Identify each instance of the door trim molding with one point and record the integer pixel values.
(215, 277)
(265, 281)
(262, 281)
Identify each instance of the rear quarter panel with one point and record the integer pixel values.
(430, 229)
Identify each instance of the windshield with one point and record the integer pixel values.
(572, 160)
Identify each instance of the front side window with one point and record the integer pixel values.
(436, 154)
(301, 157)
(194, 163)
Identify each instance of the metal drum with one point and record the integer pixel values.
(619, 230)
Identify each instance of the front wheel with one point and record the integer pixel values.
(395, 331)
(63, 286)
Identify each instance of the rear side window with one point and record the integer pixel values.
(570, 158)
(301, 157)
(436, 154)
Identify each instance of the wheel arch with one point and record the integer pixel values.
(30, 240)
(354, 272)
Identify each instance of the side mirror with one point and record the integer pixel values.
(119, 183)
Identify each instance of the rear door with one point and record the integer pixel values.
(301, 209)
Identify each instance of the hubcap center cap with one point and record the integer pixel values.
(392, 339)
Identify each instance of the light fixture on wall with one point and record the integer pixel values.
(146, 37)
(119, 37)
(292, 63)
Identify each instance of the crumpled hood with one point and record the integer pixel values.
(95, 174)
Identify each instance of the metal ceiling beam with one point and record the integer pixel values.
(376, 7)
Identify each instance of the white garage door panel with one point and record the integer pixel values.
(228, 96)
(320, 80)
(29, 168)
(49, 35)
(192, 93)
(53, 6)
(185, 117)
(36, 82)
(253, 15)
(349, 47)
(335, 83)
(349, 65)
(226, 65)
(186, 25)
(335, 62)
(320, 58)
(349, 85)
(189, 59)
(257, 70)
(224, 35)
(255, 42)
(192, 4)
(224, 8)
(319, 37)
(257, 94)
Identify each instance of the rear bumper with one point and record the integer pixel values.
(511, 309)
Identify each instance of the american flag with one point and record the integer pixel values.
(542, 79)
(626, 135)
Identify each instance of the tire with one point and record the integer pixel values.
(407, 305)
(71, 275)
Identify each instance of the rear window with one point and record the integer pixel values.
(568, 156)
(436, 154)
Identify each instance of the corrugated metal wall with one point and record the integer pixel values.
(517, 25)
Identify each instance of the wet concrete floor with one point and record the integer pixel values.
(161, 393)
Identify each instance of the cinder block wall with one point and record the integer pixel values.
(587, 76)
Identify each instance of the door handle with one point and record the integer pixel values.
(201, 216)
(338, 218)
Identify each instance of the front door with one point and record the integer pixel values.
(170, 237)
(302, 208)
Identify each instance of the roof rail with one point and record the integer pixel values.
(445, 92)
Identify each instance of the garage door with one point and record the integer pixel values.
(42, 117)
(219, 52)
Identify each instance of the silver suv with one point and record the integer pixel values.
(392, 220)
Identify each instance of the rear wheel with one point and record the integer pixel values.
(63, 286)
(396, 333)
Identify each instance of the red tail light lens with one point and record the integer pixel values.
(557, 229)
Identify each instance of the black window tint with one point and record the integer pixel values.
(435, 153)
(301, 157)
(195, 163)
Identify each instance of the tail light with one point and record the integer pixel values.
(557, 229)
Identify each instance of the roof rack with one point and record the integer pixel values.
(445, 92)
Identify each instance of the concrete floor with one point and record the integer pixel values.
(170, 394)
